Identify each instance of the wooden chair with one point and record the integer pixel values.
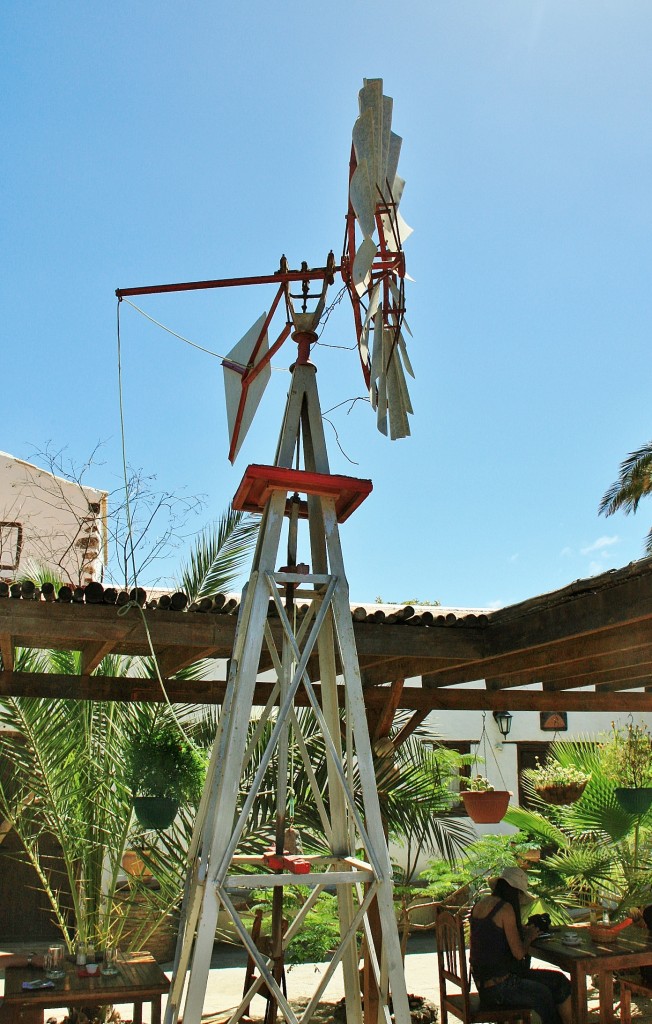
(626, 988)
(454, 971)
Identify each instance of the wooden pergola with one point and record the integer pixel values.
(587, 647)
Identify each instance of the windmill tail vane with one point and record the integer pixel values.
(372, 268)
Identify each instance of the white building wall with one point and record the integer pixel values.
(50, 521)
(501, 763)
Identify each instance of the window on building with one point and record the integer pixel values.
(527, 755)
(11, 544)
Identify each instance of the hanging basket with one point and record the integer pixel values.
(634, 801)
(486, 807)
(155, 812)
(560, 795)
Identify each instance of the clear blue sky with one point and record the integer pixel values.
(148, 142)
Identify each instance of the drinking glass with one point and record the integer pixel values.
(109, 961)
(54, 962)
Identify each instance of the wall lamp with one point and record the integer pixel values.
(503, 720)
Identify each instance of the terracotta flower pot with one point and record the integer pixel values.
(486, 808)
(134, 865)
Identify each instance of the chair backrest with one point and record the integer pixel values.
(453, 967)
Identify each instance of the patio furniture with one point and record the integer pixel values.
(454, 971)
(631, 949)
(139, 980)
(628, 987)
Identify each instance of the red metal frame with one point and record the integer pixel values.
(387, 263)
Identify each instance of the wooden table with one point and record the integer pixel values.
(632, 949)
(139, 980)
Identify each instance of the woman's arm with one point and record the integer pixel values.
(518, 947)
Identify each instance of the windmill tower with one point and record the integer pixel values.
(298, 493)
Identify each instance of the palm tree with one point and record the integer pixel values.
(67, 773)
(596, 851)
(413, 788)
(633, 483)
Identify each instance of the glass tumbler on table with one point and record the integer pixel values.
(109, 961)
(54, 962)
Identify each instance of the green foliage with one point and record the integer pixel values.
(319, 932)
(413, 789)
(627, 756)
(218, 554)
(633, 483)
(67, 780)
(483, 859)
(594, 850)
(477, 784)
(443, 879)
(554, 773)
(162, 762)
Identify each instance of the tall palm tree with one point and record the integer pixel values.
(633, 483)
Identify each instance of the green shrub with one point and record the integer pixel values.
(163, 763)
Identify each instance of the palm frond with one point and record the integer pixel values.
(218, 555)
(633, 483)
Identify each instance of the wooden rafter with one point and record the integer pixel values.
(595, 633)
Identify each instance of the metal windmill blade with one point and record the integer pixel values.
(374, 259)
(243, 384)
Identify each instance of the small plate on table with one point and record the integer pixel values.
(570, 938)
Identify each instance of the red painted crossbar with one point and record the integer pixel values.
(287, 862)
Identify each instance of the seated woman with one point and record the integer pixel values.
(499, 955)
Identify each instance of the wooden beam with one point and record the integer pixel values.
(625, 684)
(92, 654)
(581, 609)
(69, 626)
(7, 651)
(627, 678)
(457, 642)
(391, 668)
(415, 698)
(621, 670)
(404, 734)
(529, 663)
(173, 659)
(386, 717)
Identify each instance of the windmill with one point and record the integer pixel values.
(313, 638)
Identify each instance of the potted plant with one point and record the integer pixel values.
(164, 770)
(484, 804)
(557, 783)
(628, 759)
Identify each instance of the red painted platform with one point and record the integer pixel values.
(259, 482)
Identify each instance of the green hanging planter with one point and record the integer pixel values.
(156, 812)
(634, 801)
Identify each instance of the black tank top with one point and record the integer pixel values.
(491, 956)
